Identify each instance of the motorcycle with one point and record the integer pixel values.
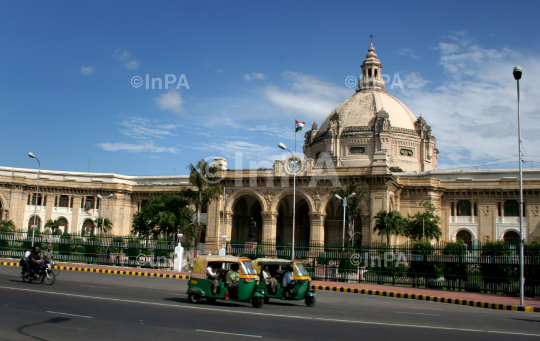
(43, 274)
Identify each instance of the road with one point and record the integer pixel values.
(89, 306)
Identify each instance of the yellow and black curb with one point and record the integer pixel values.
(323, 287)
(115, 272)
(429, 298)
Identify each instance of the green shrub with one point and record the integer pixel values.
(65, 247)
(424, 267)
(457, 269)
(493, 267)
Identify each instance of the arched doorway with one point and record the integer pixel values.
(88, 227)
(244, 209)
(511, 237)
(302, 225)
(37, 223)
(333, 225)
(465, 236)
(1, 211)
(63, 221)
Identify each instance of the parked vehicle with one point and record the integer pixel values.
(200, 284)
(298, 286)
(43, 274)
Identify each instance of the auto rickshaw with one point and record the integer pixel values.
(301, 279)
(247, 290)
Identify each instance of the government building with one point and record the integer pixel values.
(370, 138)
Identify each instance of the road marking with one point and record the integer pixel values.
(92, 286)
(183, 306)
(57, 313)
(409, 313)
(421, 308)
(211, 331)
(170, 293)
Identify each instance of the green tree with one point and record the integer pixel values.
(454, 267)
(425, 223)
(53, 225)
(203, 177)
(107, 226)
(389, 224)
(7, 225)
(353, 204)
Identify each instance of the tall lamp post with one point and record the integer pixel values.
(104, 209)
(344, 202)
(517, 76)
(282, 146)
(37, 198)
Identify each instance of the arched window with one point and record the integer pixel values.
(511, 237)
(88, 226)
(376, 73)
(369, 73)
(464, 236)
(464, 208)
(37, 222)
(511, 208)
(64, 223)
(357, 150)
(64, 201)
(317, 155)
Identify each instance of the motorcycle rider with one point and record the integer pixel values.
(35, 261)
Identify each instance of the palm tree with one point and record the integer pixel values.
(7, 225)
(389, 223)
(53, 224)
(203, 177)
(107, 226)
(353, 204)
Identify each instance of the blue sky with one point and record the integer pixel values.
(66, 69)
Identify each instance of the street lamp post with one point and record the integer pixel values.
(104, 209)
(517, 76)
(37, 198)
(344, 202)
(282, 146)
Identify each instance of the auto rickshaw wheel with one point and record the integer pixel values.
(195, 298)
(211, 300)
(266, 300)
(310, 301)
(257, 302)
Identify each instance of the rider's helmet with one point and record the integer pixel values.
(49, 250)
(36, 248)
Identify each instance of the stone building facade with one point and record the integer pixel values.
(371, 138)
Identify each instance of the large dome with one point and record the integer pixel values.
(373, 129)
(360, 110)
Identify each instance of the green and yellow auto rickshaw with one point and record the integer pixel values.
(296, 289)
(201, 286)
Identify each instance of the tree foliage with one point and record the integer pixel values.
(389, 224)
(425, 223)
(167, 214)
(203, 177)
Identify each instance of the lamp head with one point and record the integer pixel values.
(99, 196)
(337, 196)
(31, 155)
(282, 146)
(517, 72)
(180, 235)
(110, 196)
(352, 195)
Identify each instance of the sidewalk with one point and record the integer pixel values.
(490, 301)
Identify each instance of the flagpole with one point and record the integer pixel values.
(294, 191)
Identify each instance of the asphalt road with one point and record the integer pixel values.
(89, 306)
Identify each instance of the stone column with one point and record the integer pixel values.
(269, 228)
(48, 209)
(487, 221)
(317, 227)
(75, 214)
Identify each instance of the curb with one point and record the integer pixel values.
(115, 272)
(470, 303)
(430, 298)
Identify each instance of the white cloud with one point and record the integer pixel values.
(146, 146)
(407, 52)
(255, 75)
(140, 128)
(473, 112)
(125, 58)
(250, 154)
(87, 70)
(171, 100)
(307, 96)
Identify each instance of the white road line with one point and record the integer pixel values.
(170, 293)
(57, 313)
(409, 313)
(211, 331)
(92, 286)
(421, 308)
(184, 306)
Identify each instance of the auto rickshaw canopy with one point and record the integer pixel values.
(201, 263)
(259, 262)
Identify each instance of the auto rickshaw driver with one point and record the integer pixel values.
(231, 282)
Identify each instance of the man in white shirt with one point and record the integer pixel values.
(270, 281)
(213, 278)
(287, 279)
